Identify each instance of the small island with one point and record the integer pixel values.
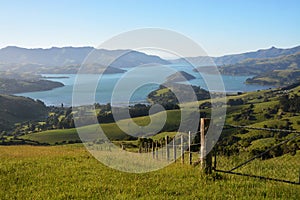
(180, 76)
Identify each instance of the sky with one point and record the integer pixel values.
(219, 26)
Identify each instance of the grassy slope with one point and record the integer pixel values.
(70, 172)
(259, 110)
(111, 130)
(60, 135)
(53, 136)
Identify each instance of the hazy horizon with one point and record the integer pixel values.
(149, 53)
(219, 27)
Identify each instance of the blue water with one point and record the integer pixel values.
(107, 83)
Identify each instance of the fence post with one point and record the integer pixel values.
(167, 148)
(162, 149)
(174, 150)
(153, 150)
(182, 149)
(190, 152)
(206, 159)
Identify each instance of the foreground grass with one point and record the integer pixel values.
(70, 172)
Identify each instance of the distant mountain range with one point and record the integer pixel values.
(236, 58)
(69, 59)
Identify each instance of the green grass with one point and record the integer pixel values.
(70, 172)
(252, 133)
(53, 136)
(259, 107)
(262, 143)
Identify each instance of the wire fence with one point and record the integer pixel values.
(271, 154)
(270, 157)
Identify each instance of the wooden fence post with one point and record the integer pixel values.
(215, 158)
(206, 159)
(182, 149)
(167, 148)
(162, 150)
(156, 152)
(149, 146)
(190, 152)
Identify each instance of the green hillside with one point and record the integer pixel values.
(15, 109)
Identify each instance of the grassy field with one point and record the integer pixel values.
(70, 172)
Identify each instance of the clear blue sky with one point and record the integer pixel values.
(219, 26)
